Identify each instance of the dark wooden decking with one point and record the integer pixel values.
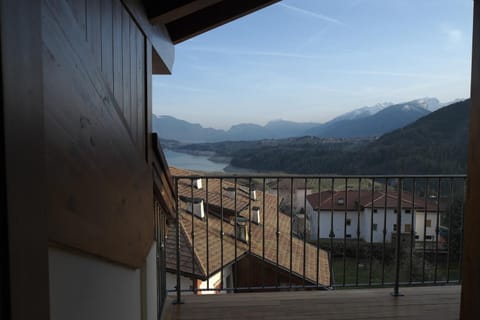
(417, 303)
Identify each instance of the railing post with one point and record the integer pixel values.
(396, 289)
(177, 240)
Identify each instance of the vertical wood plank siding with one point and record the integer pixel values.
(117, 53)
(118, 46)
(99, 184)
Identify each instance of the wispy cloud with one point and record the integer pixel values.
(158, 84)
(233, 51)
(392, 74)
(312, 14)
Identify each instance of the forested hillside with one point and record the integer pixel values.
(434, 144)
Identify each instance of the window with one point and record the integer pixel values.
(348, 236)
(417, 237)
(408, 228)
(428, 237)
(375, 211)
(428, 223)
(395, 227)
(408, 211)
(348, 222)
(374, 227)
(395, 211)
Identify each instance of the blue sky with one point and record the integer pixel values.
(311, 60)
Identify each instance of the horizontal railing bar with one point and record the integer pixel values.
(315, 176)
(349, 285)
(254, 288)
(403, 284)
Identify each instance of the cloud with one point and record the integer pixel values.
(234, 51)
(159, 85)
(312, 14)
(392, 74)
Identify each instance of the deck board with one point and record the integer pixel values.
(417, 303)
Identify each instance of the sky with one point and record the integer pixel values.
(312, 60)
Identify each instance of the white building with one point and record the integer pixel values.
(366, 215)
(188, 283)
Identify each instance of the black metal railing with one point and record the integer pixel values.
(259, 232)
(160, 223)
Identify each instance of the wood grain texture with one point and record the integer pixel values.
(93, 23)
(126, 64)
(117, 53)
(106, 30)
(471, 256)
(164, 54)
(168, 11)
(141, 102)
(417, 303)
(132, 119)
(163, 181)
(148, 100)
(23, 120)
(79, 11)
(99, 186)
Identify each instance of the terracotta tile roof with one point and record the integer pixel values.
(267, 230)
(353, 200)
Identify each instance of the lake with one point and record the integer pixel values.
(193, 162)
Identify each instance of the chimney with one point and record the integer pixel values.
(300, 223)
(197, 183)
(196, 206)
(256, 215)
(253, 194)
(229, 192)
(241, 228)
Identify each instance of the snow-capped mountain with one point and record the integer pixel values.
(430, 104)
(362, 112)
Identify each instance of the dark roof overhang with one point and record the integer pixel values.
(185, 19)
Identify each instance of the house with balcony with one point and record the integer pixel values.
(86, 194)
(234, 237)
(371, 215)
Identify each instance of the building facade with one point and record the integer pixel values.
(366, 215)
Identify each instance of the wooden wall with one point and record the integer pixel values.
(118, 48)
(253, 272)
(471, 256)
(23, 138)
(99, 183)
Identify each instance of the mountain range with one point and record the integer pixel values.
(434, 144)
(383, 121)
(362, 122)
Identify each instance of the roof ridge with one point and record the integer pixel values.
(372, 203)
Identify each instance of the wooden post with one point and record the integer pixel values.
(23, 139)
(471, 256)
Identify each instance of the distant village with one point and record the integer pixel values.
(229, 227)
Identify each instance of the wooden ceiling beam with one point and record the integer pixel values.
(163, 12)
(211, 17)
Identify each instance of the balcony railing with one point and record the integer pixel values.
(237, 233)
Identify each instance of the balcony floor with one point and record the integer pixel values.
(417, 303)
